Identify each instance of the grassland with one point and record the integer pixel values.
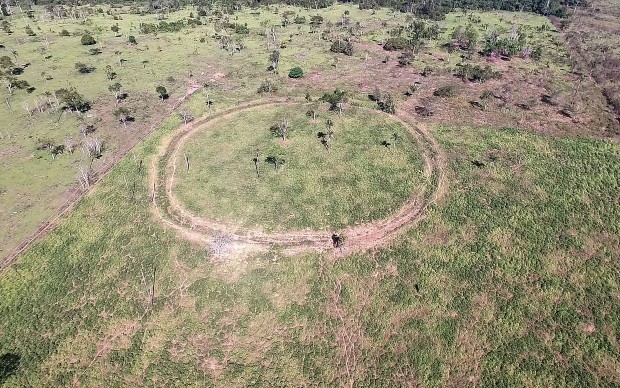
(511, 280)
(370, 169)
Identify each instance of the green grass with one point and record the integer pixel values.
(357, 180)
(512, 268)
(511, 280)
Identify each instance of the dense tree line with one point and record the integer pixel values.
(432, 9)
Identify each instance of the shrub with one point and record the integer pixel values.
(446, 91)
(88, 40)
(241, 29)
(395, 44)
(342, 46)
(132, 39)
(296, 72)
(267, 87)
(334, 98)
(64, 33)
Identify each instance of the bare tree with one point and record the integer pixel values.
(93, 148)
(85, 177)
(69, 145)
(186, 116)
(282, 128)
(86, 129)
(256, 164)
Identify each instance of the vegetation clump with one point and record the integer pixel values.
(87, 40)
(342, 46)
(296, 72)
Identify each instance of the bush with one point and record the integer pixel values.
(334, 98)
(446, 91)
(64, 33)
(476, 73)
(132, 39)
(342, 46)
(88, 40)
(395, 44)
(72, 100)
(241, 29)
(296, 72)
(267, 87)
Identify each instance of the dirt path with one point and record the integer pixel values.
(75, 193)
(358, 238)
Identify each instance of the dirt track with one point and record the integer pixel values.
(358, 238)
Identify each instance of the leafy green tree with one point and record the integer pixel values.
(334, 99)
(72, 100)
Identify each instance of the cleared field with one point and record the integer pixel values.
(518, 263)
(370, 168)
(509, 279)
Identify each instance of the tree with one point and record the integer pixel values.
(281, 128)
(275, 60)
(267, 87)
(186, 116)
(329, 123)
(115, 88)
(123, 115)
(115, 29)
(276, 161)
(110, 74)
(296, 72)
(6, 62)
(342, 46)
(163, 93)
(132, 40)
(485, 97)
(29, 32)
(334, 99)
(386, 104)
(83, 68)
(72, 100)
(87, 40)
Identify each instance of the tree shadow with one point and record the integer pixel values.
(9, 364)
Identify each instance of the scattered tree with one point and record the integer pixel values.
(274, 57)
(162, 92)
(116, 89)
(186, 116)
(87, 40)
(123, 115)
(72, 100)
